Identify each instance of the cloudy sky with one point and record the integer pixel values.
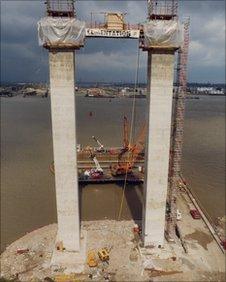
(107, 60)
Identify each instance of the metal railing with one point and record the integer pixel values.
(126, 26)
(162, 9)
(64, 8)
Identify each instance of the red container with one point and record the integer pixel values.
(195, 214)
(22, 251)
(96, 175)
(223, 243)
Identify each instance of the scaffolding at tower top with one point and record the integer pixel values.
(183, 59)
(60, 8)
(60, 29)
(162, 10)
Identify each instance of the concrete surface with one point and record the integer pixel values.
(160, 95)
(72, 262)
(62, 68)
(204, 260)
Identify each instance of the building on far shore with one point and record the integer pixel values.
(206, 90)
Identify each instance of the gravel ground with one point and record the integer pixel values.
(128, 260)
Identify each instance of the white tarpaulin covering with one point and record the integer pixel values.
(61, 30)
(160, 33)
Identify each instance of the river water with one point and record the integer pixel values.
(27, 186)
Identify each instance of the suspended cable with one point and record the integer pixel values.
(131, 130)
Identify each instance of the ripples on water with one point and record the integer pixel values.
(28, 196)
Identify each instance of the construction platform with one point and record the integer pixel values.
(106, 158)
(132, 178)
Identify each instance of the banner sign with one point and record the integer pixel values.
(98, 32)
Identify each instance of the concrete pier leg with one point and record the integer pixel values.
(160, 94)
(64, 147)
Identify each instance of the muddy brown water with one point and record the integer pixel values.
(27, 186)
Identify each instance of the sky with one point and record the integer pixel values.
(109, 60)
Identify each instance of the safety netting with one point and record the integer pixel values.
(163, 33)
(61, 31)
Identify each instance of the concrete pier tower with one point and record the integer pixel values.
(160, 93)
(62, 69)
(61, 34)
(162, 37)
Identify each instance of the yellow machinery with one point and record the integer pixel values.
(91, 259)
(104, 254)
(66, 278)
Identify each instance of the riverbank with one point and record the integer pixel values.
(199, 257)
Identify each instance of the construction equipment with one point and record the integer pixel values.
(125, 133)
(101, 146)
(94, 172)
(66, 278)
(121, 169)
(223, 243)
(129, 153)
(195, 214)
(104, 254)
(22, 251)
(60, 246)
(98, 167)
(91, 259)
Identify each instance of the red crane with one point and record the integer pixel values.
(129, 154)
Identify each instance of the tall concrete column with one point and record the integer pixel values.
(160, 94)
(64, 147)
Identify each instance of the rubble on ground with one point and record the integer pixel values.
(28, 259)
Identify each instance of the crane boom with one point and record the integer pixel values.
(129, 155)
(125, 133)
(139, 146)
(98, 167)
(99, 143)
